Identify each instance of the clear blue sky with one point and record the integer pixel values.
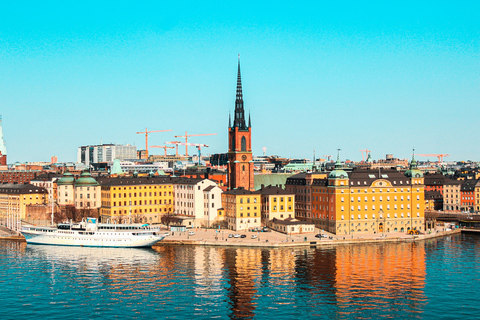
(382, 75)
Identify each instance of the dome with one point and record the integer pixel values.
(86, 180)
(338, 172)
(413, 172)
(66, 179)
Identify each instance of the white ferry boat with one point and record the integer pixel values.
(89, 233)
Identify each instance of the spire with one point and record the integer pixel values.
(338, 164)
(229, 120)
(3, 147)
(239, 118)
(413, 163)
(249, 120)
(314, 167)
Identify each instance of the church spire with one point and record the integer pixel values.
(239, 118)
(229, 120)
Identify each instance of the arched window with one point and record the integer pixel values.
(244, 144)
(243, 167)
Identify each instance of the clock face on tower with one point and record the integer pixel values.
(244, 157)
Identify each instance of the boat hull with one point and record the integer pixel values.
(96, 240)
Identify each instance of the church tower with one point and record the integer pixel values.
(240, 159)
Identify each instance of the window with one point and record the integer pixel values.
(244, 144)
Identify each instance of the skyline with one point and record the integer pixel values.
(315, 76)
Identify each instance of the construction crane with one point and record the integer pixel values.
(366, 153)
(176, 143)
(192, 135)
(163, 147)
(197, 145)
(146, 132)
(439, 156)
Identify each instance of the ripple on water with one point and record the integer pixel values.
(394, 281)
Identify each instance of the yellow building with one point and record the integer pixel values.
(242, 209)
(276, 204)
(136, 199)
(14, 198)
(367, 201)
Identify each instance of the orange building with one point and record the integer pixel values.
(240, 159)
(362, 201)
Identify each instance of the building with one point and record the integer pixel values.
(136, 199)
(276, 203)
(48, 181)
(433, 200)
(242, 209)
(14, 199)
(240, 159)
(105, 153)
(18, 176)
(435, 182)
(452, 195)
(467, 195)
(82, 193)
(199, 198)
(361, 201)
(292, 226)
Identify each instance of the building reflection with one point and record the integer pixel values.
(243, 267)
(379, 276)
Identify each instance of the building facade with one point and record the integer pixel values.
(105, 153)
(276, 203)
(14, 199)
(136, 199)
(242, 209)
(364, 201)
(199, 198)
(240, 159)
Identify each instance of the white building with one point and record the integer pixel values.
(47, 181)
(130, 166)
(105, 153)
(199, 198)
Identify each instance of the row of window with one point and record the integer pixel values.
(142, 187)
(141, 203)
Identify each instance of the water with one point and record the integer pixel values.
(435, 279)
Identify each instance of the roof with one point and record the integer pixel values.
(209, 188)
(272, 190)
(367, 177)
(273, 179)
(240, 192)
(290, 222)
(468, 185)
(432, 195)
(21, 188)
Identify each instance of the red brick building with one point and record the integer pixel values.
(18, 177)
(240, 159)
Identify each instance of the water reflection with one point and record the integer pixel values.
(365, 281)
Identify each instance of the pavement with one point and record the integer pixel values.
(273, 238)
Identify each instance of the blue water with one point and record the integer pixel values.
(436, 279)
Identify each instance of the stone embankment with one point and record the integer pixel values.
(7, 235)
(278, 240)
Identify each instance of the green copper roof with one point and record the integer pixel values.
(413, 172)
(67, 179)
(338, 172)
(116, 168)
(86, 179)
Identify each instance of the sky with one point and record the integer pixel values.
(387, 76)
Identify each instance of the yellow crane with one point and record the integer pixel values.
(146, 132)
(193, 135)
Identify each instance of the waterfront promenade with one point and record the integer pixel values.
(272, 239)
